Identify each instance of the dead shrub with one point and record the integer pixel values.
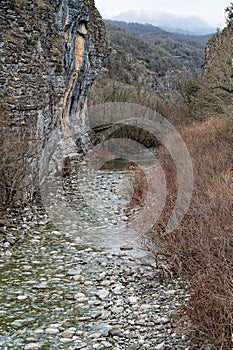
(18, 151)
(201, 249)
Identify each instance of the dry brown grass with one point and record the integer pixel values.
(201, 249)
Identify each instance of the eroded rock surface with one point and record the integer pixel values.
(50, 53)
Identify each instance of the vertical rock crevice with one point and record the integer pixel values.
(84, 35)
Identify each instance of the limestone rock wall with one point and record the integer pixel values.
(50, 53)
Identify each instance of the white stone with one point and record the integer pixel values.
(54, 325)
(88, 283)
(145, 307)
(102, 275)
(68, 333)
(42, 285)
(102, 294)
(22, 297)
(141, 341)
(39, 331)
(32, 346)
(52, 331)
(133, 300)
(105, 283)
(79, 333)
(80, 295)
(65, 340)
(160, 346)
(117, 309)
(78, 278)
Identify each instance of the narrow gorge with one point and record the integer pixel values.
(85, 283)
(77, 269)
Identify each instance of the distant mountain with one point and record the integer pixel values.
(168, 21)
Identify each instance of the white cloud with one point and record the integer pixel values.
(211, 11)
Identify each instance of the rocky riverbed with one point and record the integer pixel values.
(89, 286)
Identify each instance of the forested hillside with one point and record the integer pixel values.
(147, 55)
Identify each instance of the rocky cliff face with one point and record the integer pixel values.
(218, 68)
(50, 53)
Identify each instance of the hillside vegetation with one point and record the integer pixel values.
(147, 55)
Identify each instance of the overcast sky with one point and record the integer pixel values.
(211, 11)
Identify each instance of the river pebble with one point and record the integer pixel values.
(32, 346)
(90, 286)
